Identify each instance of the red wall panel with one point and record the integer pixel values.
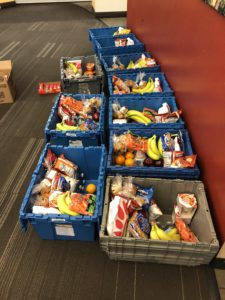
(188, 40)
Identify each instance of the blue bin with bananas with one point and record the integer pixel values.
(128, 63)
(143, 113)
(58, 133)
(146, 84)
(64, 199)
(108, 45)
(159, 153)
(95, 33)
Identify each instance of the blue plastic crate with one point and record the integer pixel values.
(139, 103)
(159, 172)
(72, 137)
(92, 162)
(167, 91)
(106, 46)
(94, 33)
(107, 62)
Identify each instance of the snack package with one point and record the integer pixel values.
(82, 204)
(49, 160)
(120, 84)
(184, 161)
(154, 211)
(117, 65)
(49, 88)
(117, 217)
(138, 225)
(185, 208)
(117, 185)
(120, 42)
(66, 166)
(146, 194)
(185, 233)
(52, 199)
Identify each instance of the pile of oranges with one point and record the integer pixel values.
(126, 159)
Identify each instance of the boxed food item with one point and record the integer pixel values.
(7, 86)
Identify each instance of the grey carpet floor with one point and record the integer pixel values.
(34, 37)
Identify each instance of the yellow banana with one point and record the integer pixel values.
(153, 233)
(138, 116)
(162, 234)
(160, 148)
(150, 151)
(147, 89)
(62, 205)
(154, 146)
(172, 231)
(131, 65)
(64, 127)
(72, 67)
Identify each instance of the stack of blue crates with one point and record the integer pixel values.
(103, 41)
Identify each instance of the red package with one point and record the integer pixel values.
(185, 233)
(80, 204)
(49, 88)
(121, 218)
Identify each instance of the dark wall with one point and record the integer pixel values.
(188, 39)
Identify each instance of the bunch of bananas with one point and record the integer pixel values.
(159, 234)
(149, 88)
(138, 116)
(154, 149)
(63, 202)
(64, 127)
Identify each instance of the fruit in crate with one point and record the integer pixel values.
(120, 159)
(129, 162)
(148, 162)
(149, 88)
(152, 150)
(129, 154)
(91, 188)
(138, 117)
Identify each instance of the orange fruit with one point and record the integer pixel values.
(129, 154)
(120, 159)
(91, 188)
(129, 162)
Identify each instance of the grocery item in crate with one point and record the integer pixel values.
(124, 42)
(159, 234)
(78, 114)
(73, 69)
(154, 211)
(142, 62)
(185, 232)
(138, 225)
(147, 116)
(61, 189)
(126, 199)
(165, 152)
(122, 31)
(49, 88)
(117, 65)
(136, 87)
(185, 207)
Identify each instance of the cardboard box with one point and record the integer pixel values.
(7, 86)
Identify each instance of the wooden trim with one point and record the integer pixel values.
(108, 14)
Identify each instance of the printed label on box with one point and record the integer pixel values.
(77, 143)
(66, 230)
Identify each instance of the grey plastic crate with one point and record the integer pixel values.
(84, 84)
(169, 252)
